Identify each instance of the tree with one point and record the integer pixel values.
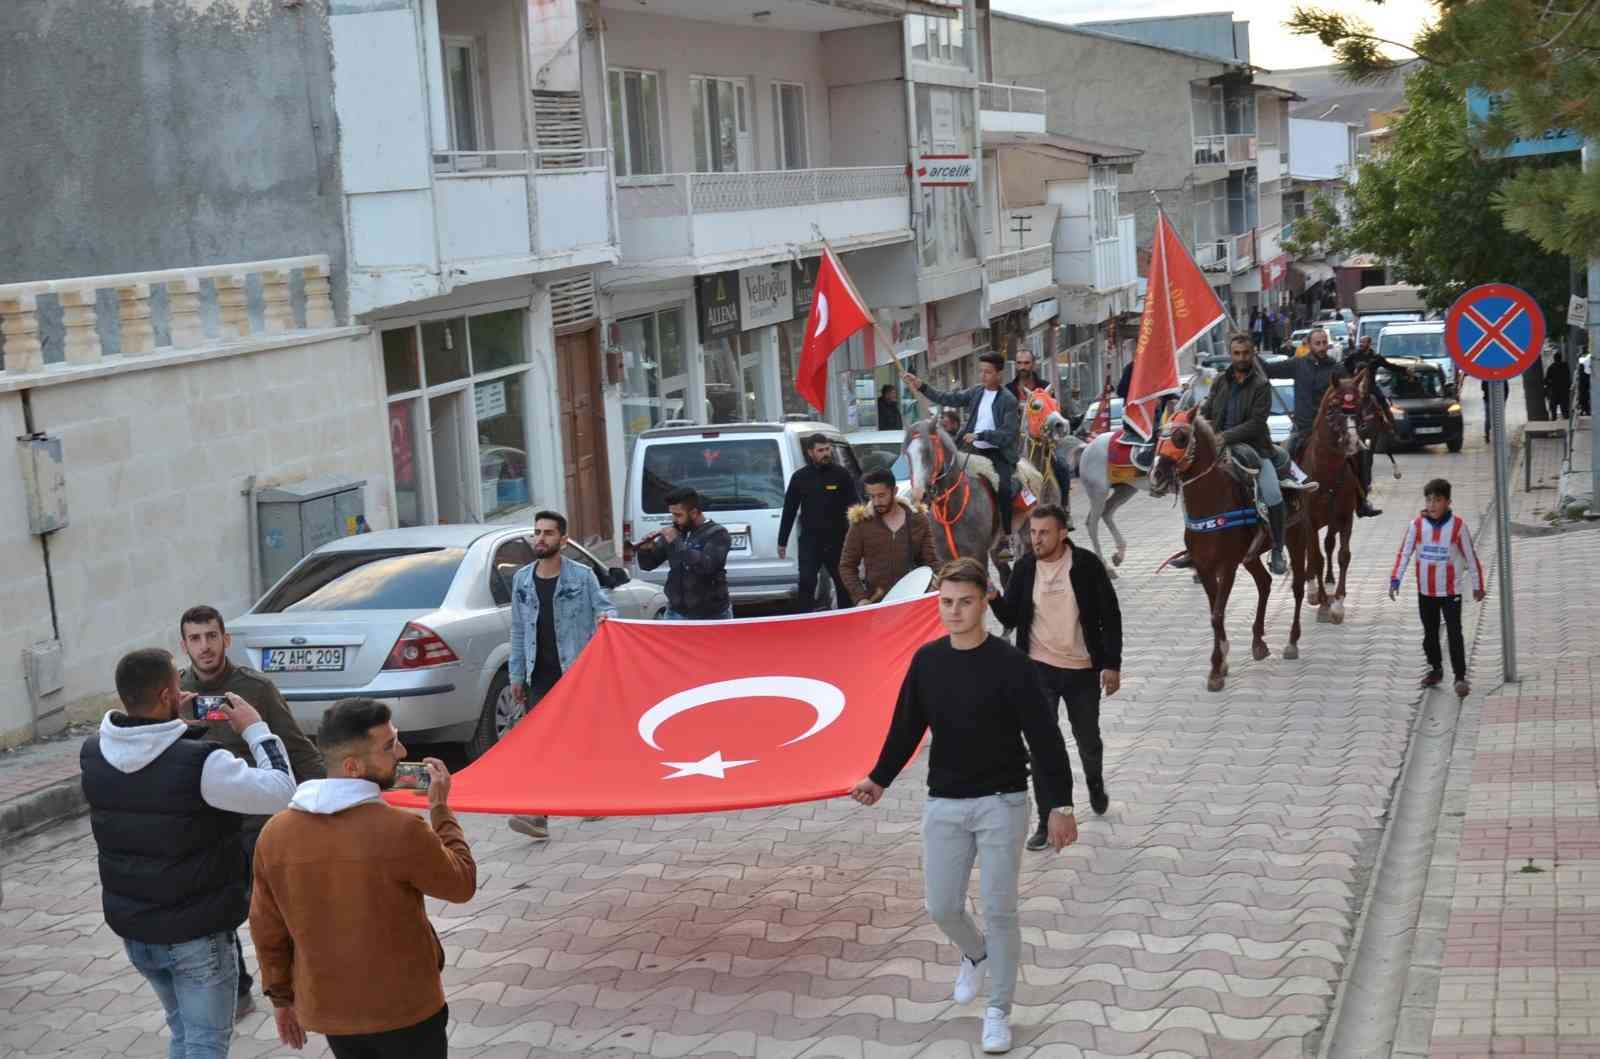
(1542, 58)
(1422, 207)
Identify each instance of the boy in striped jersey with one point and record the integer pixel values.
(1442, 544)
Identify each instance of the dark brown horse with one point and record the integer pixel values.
(1223, 530)
(1327, 458)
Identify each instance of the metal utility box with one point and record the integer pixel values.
(293, 520)
(44, 480)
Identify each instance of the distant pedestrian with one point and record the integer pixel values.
(1585, 398)
(167, 806)
(1558, 387)
(557, 605)
(1258, 327)
(345, 945)
(1446, 562)
(989, 718)
(206, 642)
(695, 550)
(821, 495)
(1064, 608)
(889, 417)
(1488, 415)
(887, 536)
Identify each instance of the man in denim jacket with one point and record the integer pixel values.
(556, 606)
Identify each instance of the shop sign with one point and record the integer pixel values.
(1041, 312)
(804, 279)
(904, 328)
(717, 299)
(944, 170)
(489, 399)
(766, 295)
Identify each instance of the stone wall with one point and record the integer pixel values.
(155, 462)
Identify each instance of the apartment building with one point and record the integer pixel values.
(1214, 138)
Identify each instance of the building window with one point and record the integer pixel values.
(735, 374)
(720, 111)
(464, 101)
(1104, 183)
(789, 124)
(936, 39)
(655, 378)
(458, 420)
(635, 122)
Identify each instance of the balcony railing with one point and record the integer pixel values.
(1229, 149)
(690, 214)
(1014, 264)
(160, 312)
(1212, 254)
(1010, 108)
(495, 204)
(1115, 260)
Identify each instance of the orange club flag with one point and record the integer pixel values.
(837, 312)
(1179, 307)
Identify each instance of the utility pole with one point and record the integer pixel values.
(1591, 161)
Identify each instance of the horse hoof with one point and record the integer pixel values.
(1259, 651)
(1116, 559)
(1224, 669)
(1323, 616)
(1291, 652)
(1337, 614)
(1214, 683)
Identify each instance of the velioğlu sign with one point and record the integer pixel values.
(748, 298)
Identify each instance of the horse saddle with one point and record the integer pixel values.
(1129, 456)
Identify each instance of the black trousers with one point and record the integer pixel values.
(1081, 690)
(816, 557)
(1449, 608)
(247, 838)
(425, 1040)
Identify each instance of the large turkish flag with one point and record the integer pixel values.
(1179, 307)
(695, 717)
(837, 312)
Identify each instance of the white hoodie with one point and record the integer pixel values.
(326, 797)
(226, 782)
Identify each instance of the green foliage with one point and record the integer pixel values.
(1310, 234)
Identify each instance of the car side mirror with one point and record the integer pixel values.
(619, 577)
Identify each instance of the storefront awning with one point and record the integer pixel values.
(1313, 271)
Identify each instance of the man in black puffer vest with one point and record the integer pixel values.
(165, 806)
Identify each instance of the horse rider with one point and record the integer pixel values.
(1022, 386)
(993, 428)
(1312, 375)
(1237, 407)
(1364, 356)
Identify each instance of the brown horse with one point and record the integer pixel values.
(1223, 530)
(1326, 457)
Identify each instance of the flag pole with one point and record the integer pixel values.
(844, 274)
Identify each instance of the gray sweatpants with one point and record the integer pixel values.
(989, 830)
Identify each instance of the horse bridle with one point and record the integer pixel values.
(1183, 459)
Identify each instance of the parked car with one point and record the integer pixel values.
(1280, 423)
(883, 448)
(741, 470)
(1424, 403)
(1338, 336)
(1374, 323)
(418, 617)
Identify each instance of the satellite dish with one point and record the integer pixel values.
(917, 583)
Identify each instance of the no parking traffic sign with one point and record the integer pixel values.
(1494, 331)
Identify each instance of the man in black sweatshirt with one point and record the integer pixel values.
(822, 494)
(982, 700)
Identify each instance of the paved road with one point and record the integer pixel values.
(1206, 914)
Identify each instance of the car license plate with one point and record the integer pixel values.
(1430, 430)
(739, 538)
(302, 659)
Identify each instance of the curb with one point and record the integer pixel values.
(62, 800)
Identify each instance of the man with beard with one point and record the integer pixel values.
(695, 549)
(557, 604)
(887, 536)
(345, 945)
(206, 642)
(821, 493)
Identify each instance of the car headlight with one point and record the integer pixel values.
(1454, 409)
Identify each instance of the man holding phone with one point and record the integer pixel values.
(165, 804)
(212, 676)
(344, 940)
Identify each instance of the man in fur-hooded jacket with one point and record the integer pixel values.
(887, 537)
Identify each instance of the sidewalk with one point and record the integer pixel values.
(1516, 868)
(39, 783)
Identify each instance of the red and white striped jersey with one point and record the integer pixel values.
(1441, 549)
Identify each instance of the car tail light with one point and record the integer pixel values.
(418, 648)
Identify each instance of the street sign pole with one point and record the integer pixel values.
(1591, 161)
(1502, 506)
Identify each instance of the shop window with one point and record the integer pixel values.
(497, 341)
(401, 373)
(655, 378)
(444, 350)
(405, 427)
(502, 445)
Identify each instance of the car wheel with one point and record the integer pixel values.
(1454, 446)
(500, 712)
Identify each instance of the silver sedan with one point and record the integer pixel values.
(418, 617)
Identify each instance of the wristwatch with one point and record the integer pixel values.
(1066, 809)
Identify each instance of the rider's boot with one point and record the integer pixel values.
(1364, 468)
(1275, 523)
(1183, 562)
(1297, 474)
(1003, 553)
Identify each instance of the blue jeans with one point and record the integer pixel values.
(1267, 480)
(198, 984)
(673, 615)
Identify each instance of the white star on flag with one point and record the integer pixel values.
(711, 765)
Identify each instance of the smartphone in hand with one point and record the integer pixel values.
(412, 776)
(210, 707)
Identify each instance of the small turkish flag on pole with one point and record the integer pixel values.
(1179, 307)
(837, 312)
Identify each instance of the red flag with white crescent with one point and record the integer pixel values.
(837, 312)
(1179, 307)
(699, 717)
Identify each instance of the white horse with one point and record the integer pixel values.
(1093, 469)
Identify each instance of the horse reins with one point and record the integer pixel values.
(939, 505)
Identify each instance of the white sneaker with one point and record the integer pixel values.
(996, 1032)
(969, 979)
(1299, 475)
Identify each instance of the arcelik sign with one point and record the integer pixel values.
(943, 170)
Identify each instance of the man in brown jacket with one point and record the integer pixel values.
(344, 941)
(886, 536)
